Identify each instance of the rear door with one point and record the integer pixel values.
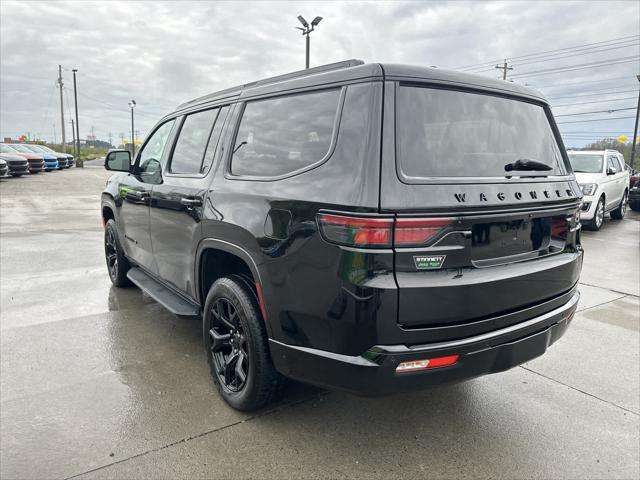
(177, 201)
(484, 201)
(612, 183)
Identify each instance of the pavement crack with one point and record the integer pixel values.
(208, 432)
(581, 391)
(610, 289)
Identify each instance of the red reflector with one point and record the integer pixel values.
(356, 231)
(418, 231)
(443, 361)
(426, 364)
(261, 302)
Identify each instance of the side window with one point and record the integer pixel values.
(213, 139)
(612, 162)
(192, 141)
(621, 164)
(151, 155)
(285, 134)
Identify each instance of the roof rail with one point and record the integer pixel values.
(279, 78)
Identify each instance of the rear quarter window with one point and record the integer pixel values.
(453, 133)
(283, 135)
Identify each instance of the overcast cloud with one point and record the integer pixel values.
(164, 53)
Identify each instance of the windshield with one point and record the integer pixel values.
(33, 148)
(582, 163)
(6, 149)
(447, 133)
(21, 148)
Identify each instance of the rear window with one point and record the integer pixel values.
(586, 163)
(447, 133)
(283, 135)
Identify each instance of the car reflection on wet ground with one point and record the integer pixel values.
(103, 382)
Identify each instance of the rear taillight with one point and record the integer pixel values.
(356, 231)
(380, 232)
(559, 227)
(416, 232)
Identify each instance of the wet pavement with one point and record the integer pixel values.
(98, 382)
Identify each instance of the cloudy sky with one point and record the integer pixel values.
(582, 55)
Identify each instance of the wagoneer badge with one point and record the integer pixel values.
(429, 262)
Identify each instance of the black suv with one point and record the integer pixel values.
(361, 227)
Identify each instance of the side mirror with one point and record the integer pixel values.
(118, 161)
(611, 171)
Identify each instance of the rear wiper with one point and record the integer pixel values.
(527, 165)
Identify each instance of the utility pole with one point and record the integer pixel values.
(73, 134)
(54, 134)
(635, 130)
(79, 163)
(306, 31)
(60, 84)
(122, 139)
(504, 67)
(110, 137)
(132, 105)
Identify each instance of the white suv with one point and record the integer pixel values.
(604, 180)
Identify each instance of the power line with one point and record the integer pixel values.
(579, 66)
(576, 53)
(627, 38)
(580, 95)
(596, 111)
(593, 101)
(581, 83)
(597, 120)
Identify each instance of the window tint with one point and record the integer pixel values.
(620, 164)
(281, 135)
(192, 142)
(213, 139)
(612, 162)
(446, 133)
(151, 155)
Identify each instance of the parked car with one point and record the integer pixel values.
(70, 159)
(4, 168)
(634, 191)
(61, 157)
(35, 163)
(362, 227)
(604, 181)
(16, 165)
(50, 160)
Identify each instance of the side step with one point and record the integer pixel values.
(170, 300)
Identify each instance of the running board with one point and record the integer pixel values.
(170, 300)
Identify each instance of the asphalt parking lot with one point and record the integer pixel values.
(98, 382)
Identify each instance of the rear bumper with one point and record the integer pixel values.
(374, 372)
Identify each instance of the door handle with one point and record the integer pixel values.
(191, 201)
(135, 196)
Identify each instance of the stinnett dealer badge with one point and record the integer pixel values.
(429, 262)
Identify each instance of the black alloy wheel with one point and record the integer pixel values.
(228, 346)
(117, 263)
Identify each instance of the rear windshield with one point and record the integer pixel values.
(447, 133)
(586, 163)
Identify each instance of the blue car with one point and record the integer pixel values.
(50, 160)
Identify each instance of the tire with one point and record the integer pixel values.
(598, 216)
(117, 263)
(236, 345)
(618, 213)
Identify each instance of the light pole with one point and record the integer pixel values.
(306, 31)
(132, 105)
(76, 145)
(635, 129)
